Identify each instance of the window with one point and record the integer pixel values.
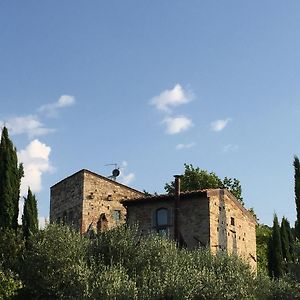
(232, 221)
(117, 215)
(162, 221)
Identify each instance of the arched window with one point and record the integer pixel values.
(102, 224)
(162, 222)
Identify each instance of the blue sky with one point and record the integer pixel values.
(151, 86)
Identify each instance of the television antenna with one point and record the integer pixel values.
(115, 172)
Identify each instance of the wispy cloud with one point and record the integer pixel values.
(30, 125)
(36, 161)
(124, 177)
(219, 125)
(177, 124)
(185, 146)
(51, 109)
(171, 98)
(127, 178)
(230, 148)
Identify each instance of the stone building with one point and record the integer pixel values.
(213, 218)
(87, 200)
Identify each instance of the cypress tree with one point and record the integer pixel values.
(275, 251)
(297, 194)
(285, 240)
(10, 180)
(30, 215)
(291, 241)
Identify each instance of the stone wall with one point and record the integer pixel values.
(101, 202)
(88, 200)
(66, 200)
(232, 228)
(143, 214)
(193, 218)
(213, 218)
(193, 221)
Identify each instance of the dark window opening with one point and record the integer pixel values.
(162, 222)
(64, 219)
(232, 221)
(117, 215)
(102, 224)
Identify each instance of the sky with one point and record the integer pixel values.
(151, 85)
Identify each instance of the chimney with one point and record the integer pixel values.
(176, 207)
(177, 185)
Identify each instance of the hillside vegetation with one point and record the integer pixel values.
(58, 263)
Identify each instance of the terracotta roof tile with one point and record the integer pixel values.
(165, 196)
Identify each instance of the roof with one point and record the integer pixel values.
(99, 176)
(183, 195)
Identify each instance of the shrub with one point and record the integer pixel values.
(9, 284)
(54, 264)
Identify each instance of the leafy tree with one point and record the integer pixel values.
(275, 251)
(9, 285)
(263, 235)
(234, 186)
(197, 179)
(122, 264)
(10, 179)
(54, 265)
(30, 215)
(297, 194)
(11, 249)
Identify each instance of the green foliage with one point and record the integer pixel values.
(197, 179)
(11, 249)
(275, 251)
(10, 180)
(286, 240)
(111, 282)
(9, 285)
(234, 186)
(263, 235)
(30, 223)
(297, 194)
(121, 264)
(55, 265)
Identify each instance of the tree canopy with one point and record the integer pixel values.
(196, 179)
(10, 180)
(30, 215)
(297, 194)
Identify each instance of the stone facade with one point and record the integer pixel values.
(211, 218)
(87, 200)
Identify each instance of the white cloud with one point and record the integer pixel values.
(124, 164)
(43, 221)
(230, 148)
(50, 109)
(30, 125)
(219, 125)
(185, 146)
(177, 124)
(127, 179)
(171, 98)
(35, 158)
